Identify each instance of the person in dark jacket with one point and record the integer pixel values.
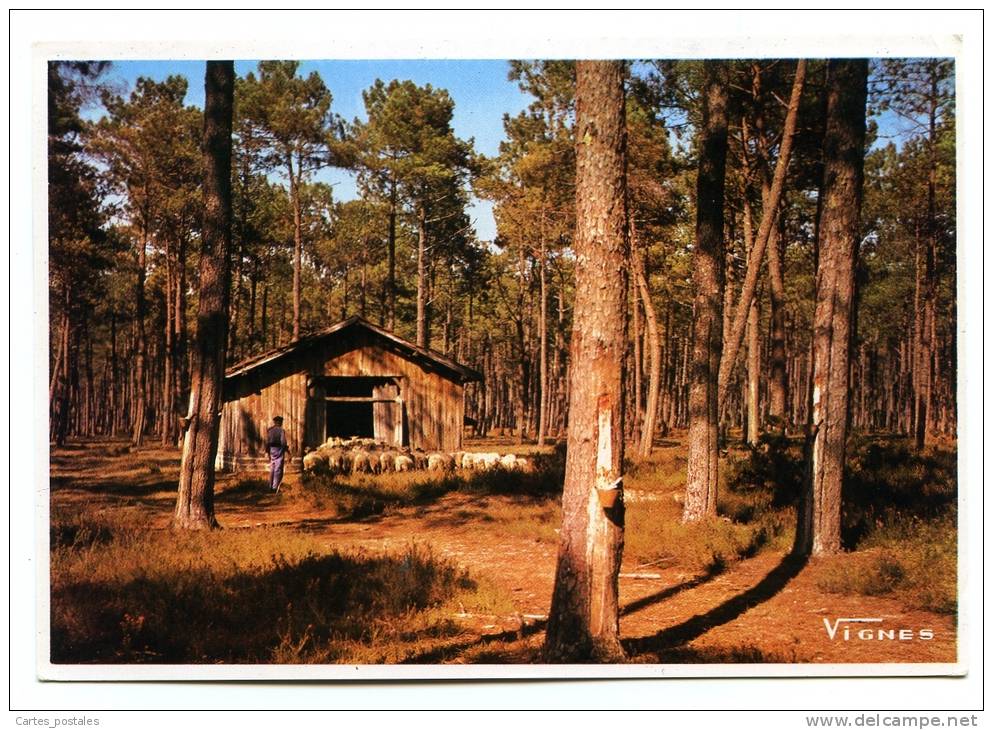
(277, 448)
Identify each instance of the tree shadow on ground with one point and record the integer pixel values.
(664, 641)
(139, 488)
(668, 645)
(667, 593)
(504, 647)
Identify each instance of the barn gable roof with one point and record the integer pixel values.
(408, 349)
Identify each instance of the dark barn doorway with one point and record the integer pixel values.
(363, 407)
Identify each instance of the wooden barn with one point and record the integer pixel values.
(351, 379)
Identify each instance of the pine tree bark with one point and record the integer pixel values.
(924, 367)
(542, 342)
(141, 345)
(708, 258)
(168, 363)
(777, 332)
(195, 501)
(423, 338)
(654, 348)
(638, 343)
(777, 380)
(58, 391)
(752, 377)
(182, 352)
(297, 242)
(391, 258)
(736, 331)
(115, 403)
(583, 620)
(819, 523)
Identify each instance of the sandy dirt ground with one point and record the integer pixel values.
(766, 608)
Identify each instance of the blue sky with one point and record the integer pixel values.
(480, 90)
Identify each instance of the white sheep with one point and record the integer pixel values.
(440, 462)
(486, 461)
(508, 461)
(387, 461)
(361, 462)
(404, 463)
(314, 462)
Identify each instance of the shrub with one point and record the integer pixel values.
(261, 595)
(775, 467)
(867, 573)
(886, 482)
(655, 534)
(915, 560)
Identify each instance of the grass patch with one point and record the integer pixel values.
(748, 520)
(899, 511)
(121, 595)
(656, 534)
(739, 654)
(887, 483)
(361, 495)
(913, 560)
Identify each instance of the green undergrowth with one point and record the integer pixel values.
(898, 517)
(898, 526)
(122, 594)
(747, 521)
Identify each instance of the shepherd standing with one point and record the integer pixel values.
(277, 447)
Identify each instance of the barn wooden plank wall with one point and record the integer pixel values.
(244, 421)
(432, 401)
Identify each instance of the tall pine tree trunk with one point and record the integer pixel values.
(182, 353)
(770, 205)
(297, 243)
(115, 402)
(391, 258)
(819, 524)
(423, 338)
(542, 342)
(583, 621)
(195, 501)
(58, 391)
(924, 367)
(753, 363)
(169, 364)
(708, 258)
(636, 400)
(141, 345)
(777, 380)
(654, 348)
(777, 332)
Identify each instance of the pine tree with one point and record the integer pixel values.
(583, 620)
(412, 158)
(819, 527)
(708, 257)
(288, 121)
(195, 501)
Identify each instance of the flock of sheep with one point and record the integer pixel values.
(368, 456)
